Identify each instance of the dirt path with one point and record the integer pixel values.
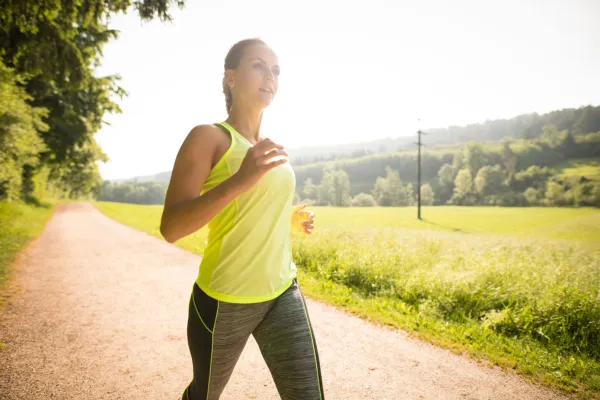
(101, 313)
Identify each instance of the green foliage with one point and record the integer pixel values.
(534, 177)
(529, 126)
(579, 168)
(390, 191)
(446, 183)
(519, 164)
(490, 180)
(363, 200)
(427, 195)
(310, 190)
(133, 193)
(463, 188)
(509, 158)
(340, 186)
(470, 280)
(20, 144)
(532, 196)
(474, 157)
(53, 48)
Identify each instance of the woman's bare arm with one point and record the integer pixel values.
(185, 210)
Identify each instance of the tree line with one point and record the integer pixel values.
(508, 173)
(505, 173)
(526, 126)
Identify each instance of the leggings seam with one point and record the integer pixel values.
(312, 342)
(212, 350)
(198, 313)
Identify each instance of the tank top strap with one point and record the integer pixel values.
(233, 132)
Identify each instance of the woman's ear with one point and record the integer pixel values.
(230, 78)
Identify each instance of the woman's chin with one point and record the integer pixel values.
(264, 103)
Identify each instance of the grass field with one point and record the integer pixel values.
(587, 167)
(18, 224)
(517, 286)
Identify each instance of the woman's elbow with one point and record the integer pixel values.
(166, 232)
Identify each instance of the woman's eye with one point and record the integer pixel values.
(258, 66)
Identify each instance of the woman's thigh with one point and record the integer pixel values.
(287, 343)
(217, 334)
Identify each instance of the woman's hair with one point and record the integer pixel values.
(232, 60)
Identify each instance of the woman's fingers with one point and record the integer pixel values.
(300, 207)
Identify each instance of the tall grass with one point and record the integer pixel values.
(530, 304)
(550, 292)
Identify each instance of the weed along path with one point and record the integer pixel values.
(99, 311)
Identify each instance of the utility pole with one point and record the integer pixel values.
(419, 144)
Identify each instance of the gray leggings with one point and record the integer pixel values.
(218, 331)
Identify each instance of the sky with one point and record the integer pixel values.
(351, 71)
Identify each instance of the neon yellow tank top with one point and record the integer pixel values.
(248, 256)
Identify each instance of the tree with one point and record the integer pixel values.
(20, 144)
(55, 46)
(532, 195)
(381, 192)
(458, 161)
(410, 195)
(446, 181)
(341, 188)
(310, 190)
(555, 194)
(587, 194)
(325, 189)
(474, 157)
(509, 158)
(463, 182)
(551, 135)
(533, 176)
(567, 145)
(489, 180)
(463, 185)
(427, 195)
(390, 191)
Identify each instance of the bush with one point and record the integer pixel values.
(363, 200)
(532, 196)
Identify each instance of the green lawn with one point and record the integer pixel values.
(587, 167)
(565, 223)
(517, 286)
(18, 224)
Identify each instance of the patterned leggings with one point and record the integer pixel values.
(217, 332)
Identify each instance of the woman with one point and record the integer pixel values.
(246, 282)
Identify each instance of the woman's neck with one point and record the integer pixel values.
(246, 121)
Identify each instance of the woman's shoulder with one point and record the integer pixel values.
(204, 130)
(204, 134)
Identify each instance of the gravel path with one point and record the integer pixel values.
(100, 312)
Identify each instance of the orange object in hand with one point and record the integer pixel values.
(298, 216)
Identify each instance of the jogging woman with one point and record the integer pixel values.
(239, 183)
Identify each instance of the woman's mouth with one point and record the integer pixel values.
(265, 90)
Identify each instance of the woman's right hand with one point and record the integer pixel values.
(256, 162)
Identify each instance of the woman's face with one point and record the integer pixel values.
(255, 80)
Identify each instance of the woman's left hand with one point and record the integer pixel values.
(305, 220)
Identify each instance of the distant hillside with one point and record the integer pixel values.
(161, 177)
(528, 126)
